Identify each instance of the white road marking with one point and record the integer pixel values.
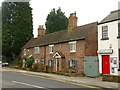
(27, 84)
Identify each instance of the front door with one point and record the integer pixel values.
(57, 64)
(105, 64)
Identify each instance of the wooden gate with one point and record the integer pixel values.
(91, 67)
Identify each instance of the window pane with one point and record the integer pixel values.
(72, 47)
(36, 50)
(118, 29)
(37, 60)
(24, 51)
(50, 49)
(50, 63)
(105, 32)
(71, 63)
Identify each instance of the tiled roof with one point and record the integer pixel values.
(62, 36)
(114, 15)
(31, 42)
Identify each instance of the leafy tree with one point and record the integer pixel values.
(56, 21)
(30, 61)
(16, 28)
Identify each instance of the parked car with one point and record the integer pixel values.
(5, 64)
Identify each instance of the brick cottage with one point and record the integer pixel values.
(64, 48)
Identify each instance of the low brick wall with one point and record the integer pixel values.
(111, 78)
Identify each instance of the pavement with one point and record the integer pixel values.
(90, 82)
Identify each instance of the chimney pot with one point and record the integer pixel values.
(72, 21)
(41, 31)
(41, 26)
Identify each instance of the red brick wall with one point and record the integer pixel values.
(92, 41)
(36, 56)
(87, 47)
(64, 49)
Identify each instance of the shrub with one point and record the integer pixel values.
(111, 78)
(72, 70)
(35, 66)
(65, 70)
(38, 67)
(49, 69)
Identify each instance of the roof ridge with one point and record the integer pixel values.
(56, 32)
(115, 11)
(86, 24)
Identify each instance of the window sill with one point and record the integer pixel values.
(105, 39)
(36, 53)
(50, 52)
(118, 37)
(72, 51)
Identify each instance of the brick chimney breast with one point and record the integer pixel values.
(41, 31)
(72, 21)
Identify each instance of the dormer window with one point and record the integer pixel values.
(105, 32)
(36, 50)
(72, 46)
(51, 49)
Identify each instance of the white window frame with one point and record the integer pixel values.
(73, 46)
(50, 63)
(36, 50)
(24, 52)
(105, 32)
(37, 60)
(73, 63)
(43, 61)
(51, 49)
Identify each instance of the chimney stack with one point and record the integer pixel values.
(72, 21)
(41, 31)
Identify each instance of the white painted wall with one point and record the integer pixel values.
(104, 44)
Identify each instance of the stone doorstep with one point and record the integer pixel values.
(91, 81)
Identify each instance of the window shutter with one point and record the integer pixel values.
(52, 63)
(76, 63)
(73, 63)
(49, 63)
(68, 62)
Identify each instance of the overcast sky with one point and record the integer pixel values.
(87, 11)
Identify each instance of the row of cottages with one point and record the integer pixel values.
(109, 44)
(64, 48)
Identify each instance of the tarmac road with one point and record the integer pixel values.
(16, 81)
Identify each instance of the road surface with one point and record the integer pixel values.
(30, 82)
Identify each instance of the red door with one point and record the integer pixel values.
(106, 64)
